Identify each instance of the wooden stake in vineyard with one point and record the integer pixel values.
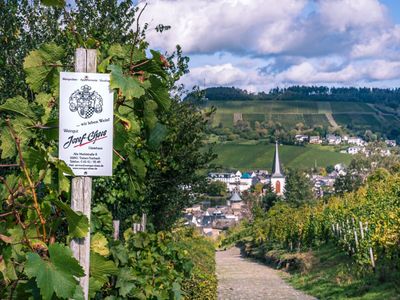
(81, 188)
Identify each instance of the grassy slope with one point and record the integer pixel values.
(260, 156)
(332, 278)
(289, 113)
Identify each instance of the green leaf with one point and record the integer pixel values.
(101, 268)
(78, 223)
(99, 244)
(45, 101)
(6, 266)
(55, 275)
(55, 3)
(63, 182)
(101, 218)
(18, 105)
(125, 281)
(43, 66)
(35, 158)
(159, 93)
(61, 165)
(22, 126)
(8, 148)
(157, 135)
(177, 290)
(117, 50)
(129, 86)
(129, 122)
(139, 166)
(120, 252)
(94, 287)
(102, 67)
(150, 117)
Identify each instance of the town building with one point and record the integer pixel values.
(356, 141)
(235, 202)
(301, 138)
(278, 179)
(315, 139)
(333, 139)
(354, 150)
(390, 143)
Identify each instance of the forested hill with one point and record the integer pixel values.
(389, 97)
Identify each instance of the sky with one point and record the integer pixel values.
(261, 44)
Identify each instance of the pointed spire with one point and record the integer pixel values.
(276, 167)
(235, 197)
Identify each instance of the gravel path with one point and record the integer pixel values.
(240, 278)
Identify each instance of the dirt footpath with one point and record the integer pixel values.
(240, 278)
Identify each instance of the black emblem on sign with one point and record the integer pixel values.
(85, 102)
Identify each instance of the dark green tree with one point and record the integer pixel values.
(216, 188)
(269, 199)
(298, 187)
(174, 179)
(349, 182)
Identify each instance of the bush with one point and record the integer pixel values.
(202, 284)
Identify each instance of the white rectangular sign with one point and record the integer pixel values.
(86, 123)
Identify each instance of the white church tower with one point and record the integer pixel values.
(278, 179)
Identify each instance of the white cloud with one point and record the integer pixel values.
(205, 26)
(344, 14)
(259, 44)
(225, 75)
(384, 44)
(308, 73)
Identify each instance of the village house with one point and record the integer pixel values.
(354, 150)
(356, 141)
(333, 139)
(315, 139)
(301, 138)
(390, 143)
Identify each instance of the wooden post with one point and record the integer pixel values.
(116, 229)
(361, 230)
(371, 255)
(355, 237)
(371, 251)
(136, 227)
(81, 187)
(143, 222)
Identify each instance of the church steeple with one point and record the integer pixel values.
(276, 167)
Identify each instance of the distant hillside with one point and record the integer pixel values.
(354, 116)
(389, 97)
(260, 156)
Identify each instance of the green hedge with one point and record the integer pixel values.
(202, 285)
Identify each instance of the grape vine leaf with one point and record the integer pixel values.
(44, 100)
(18, 105)
(100, 269)
(117, 50)
(150, 117)
(35, 158)
(157, 135)
(56, 274)
(159, 93)
(78, 223)
(125, 281)
(99, 244)
(8, 148)
(43, 65)
(129, 86)
(22, 126)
